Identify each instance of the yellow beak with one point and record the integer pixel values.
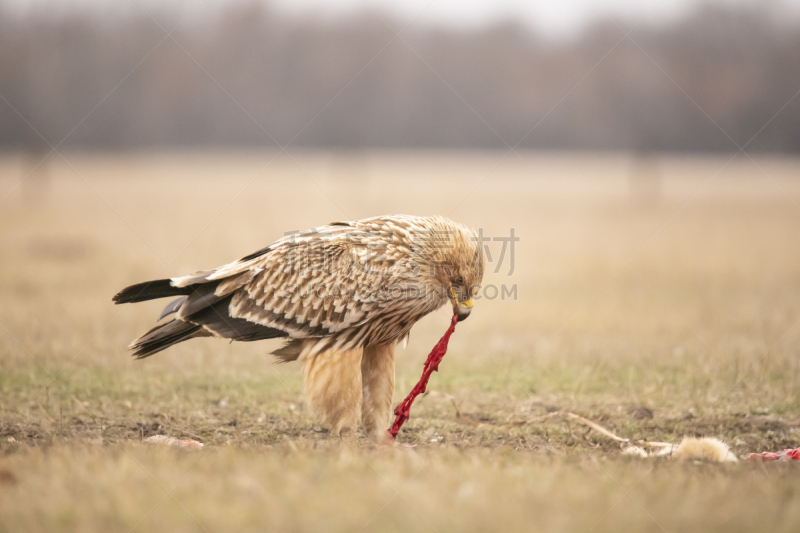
(462, 308)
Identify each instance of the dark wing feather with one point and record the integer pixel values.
(172, 307)
(150, 290)
(217, 320)
(163, 336)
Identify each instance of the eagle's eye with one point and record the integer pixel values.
(458, 281)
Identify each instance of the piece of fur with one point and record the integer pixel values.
(690, 448)
(704, 449)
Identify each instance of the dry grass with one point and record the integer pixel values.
(657, 318)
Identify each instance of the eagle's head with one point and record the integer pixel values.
(452, 255)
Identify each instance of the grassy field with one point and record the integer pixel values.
(658, 298)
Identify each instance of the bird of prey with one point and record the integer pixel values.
(342, 295)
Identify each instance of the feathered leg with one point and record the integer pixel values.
(332, 383)
(377, 377)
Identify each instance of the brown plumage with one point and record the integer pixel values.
(342, 295)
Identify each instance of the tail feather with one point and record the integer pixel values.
(150, 290)
(201, 312)
(165, 335)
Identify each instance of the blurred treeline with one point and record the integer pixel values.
(319, 83)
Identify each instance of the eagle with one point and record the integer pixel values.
(342, 296)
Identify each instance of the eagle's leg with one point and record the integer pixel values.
(377, 377)
(332, 383)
